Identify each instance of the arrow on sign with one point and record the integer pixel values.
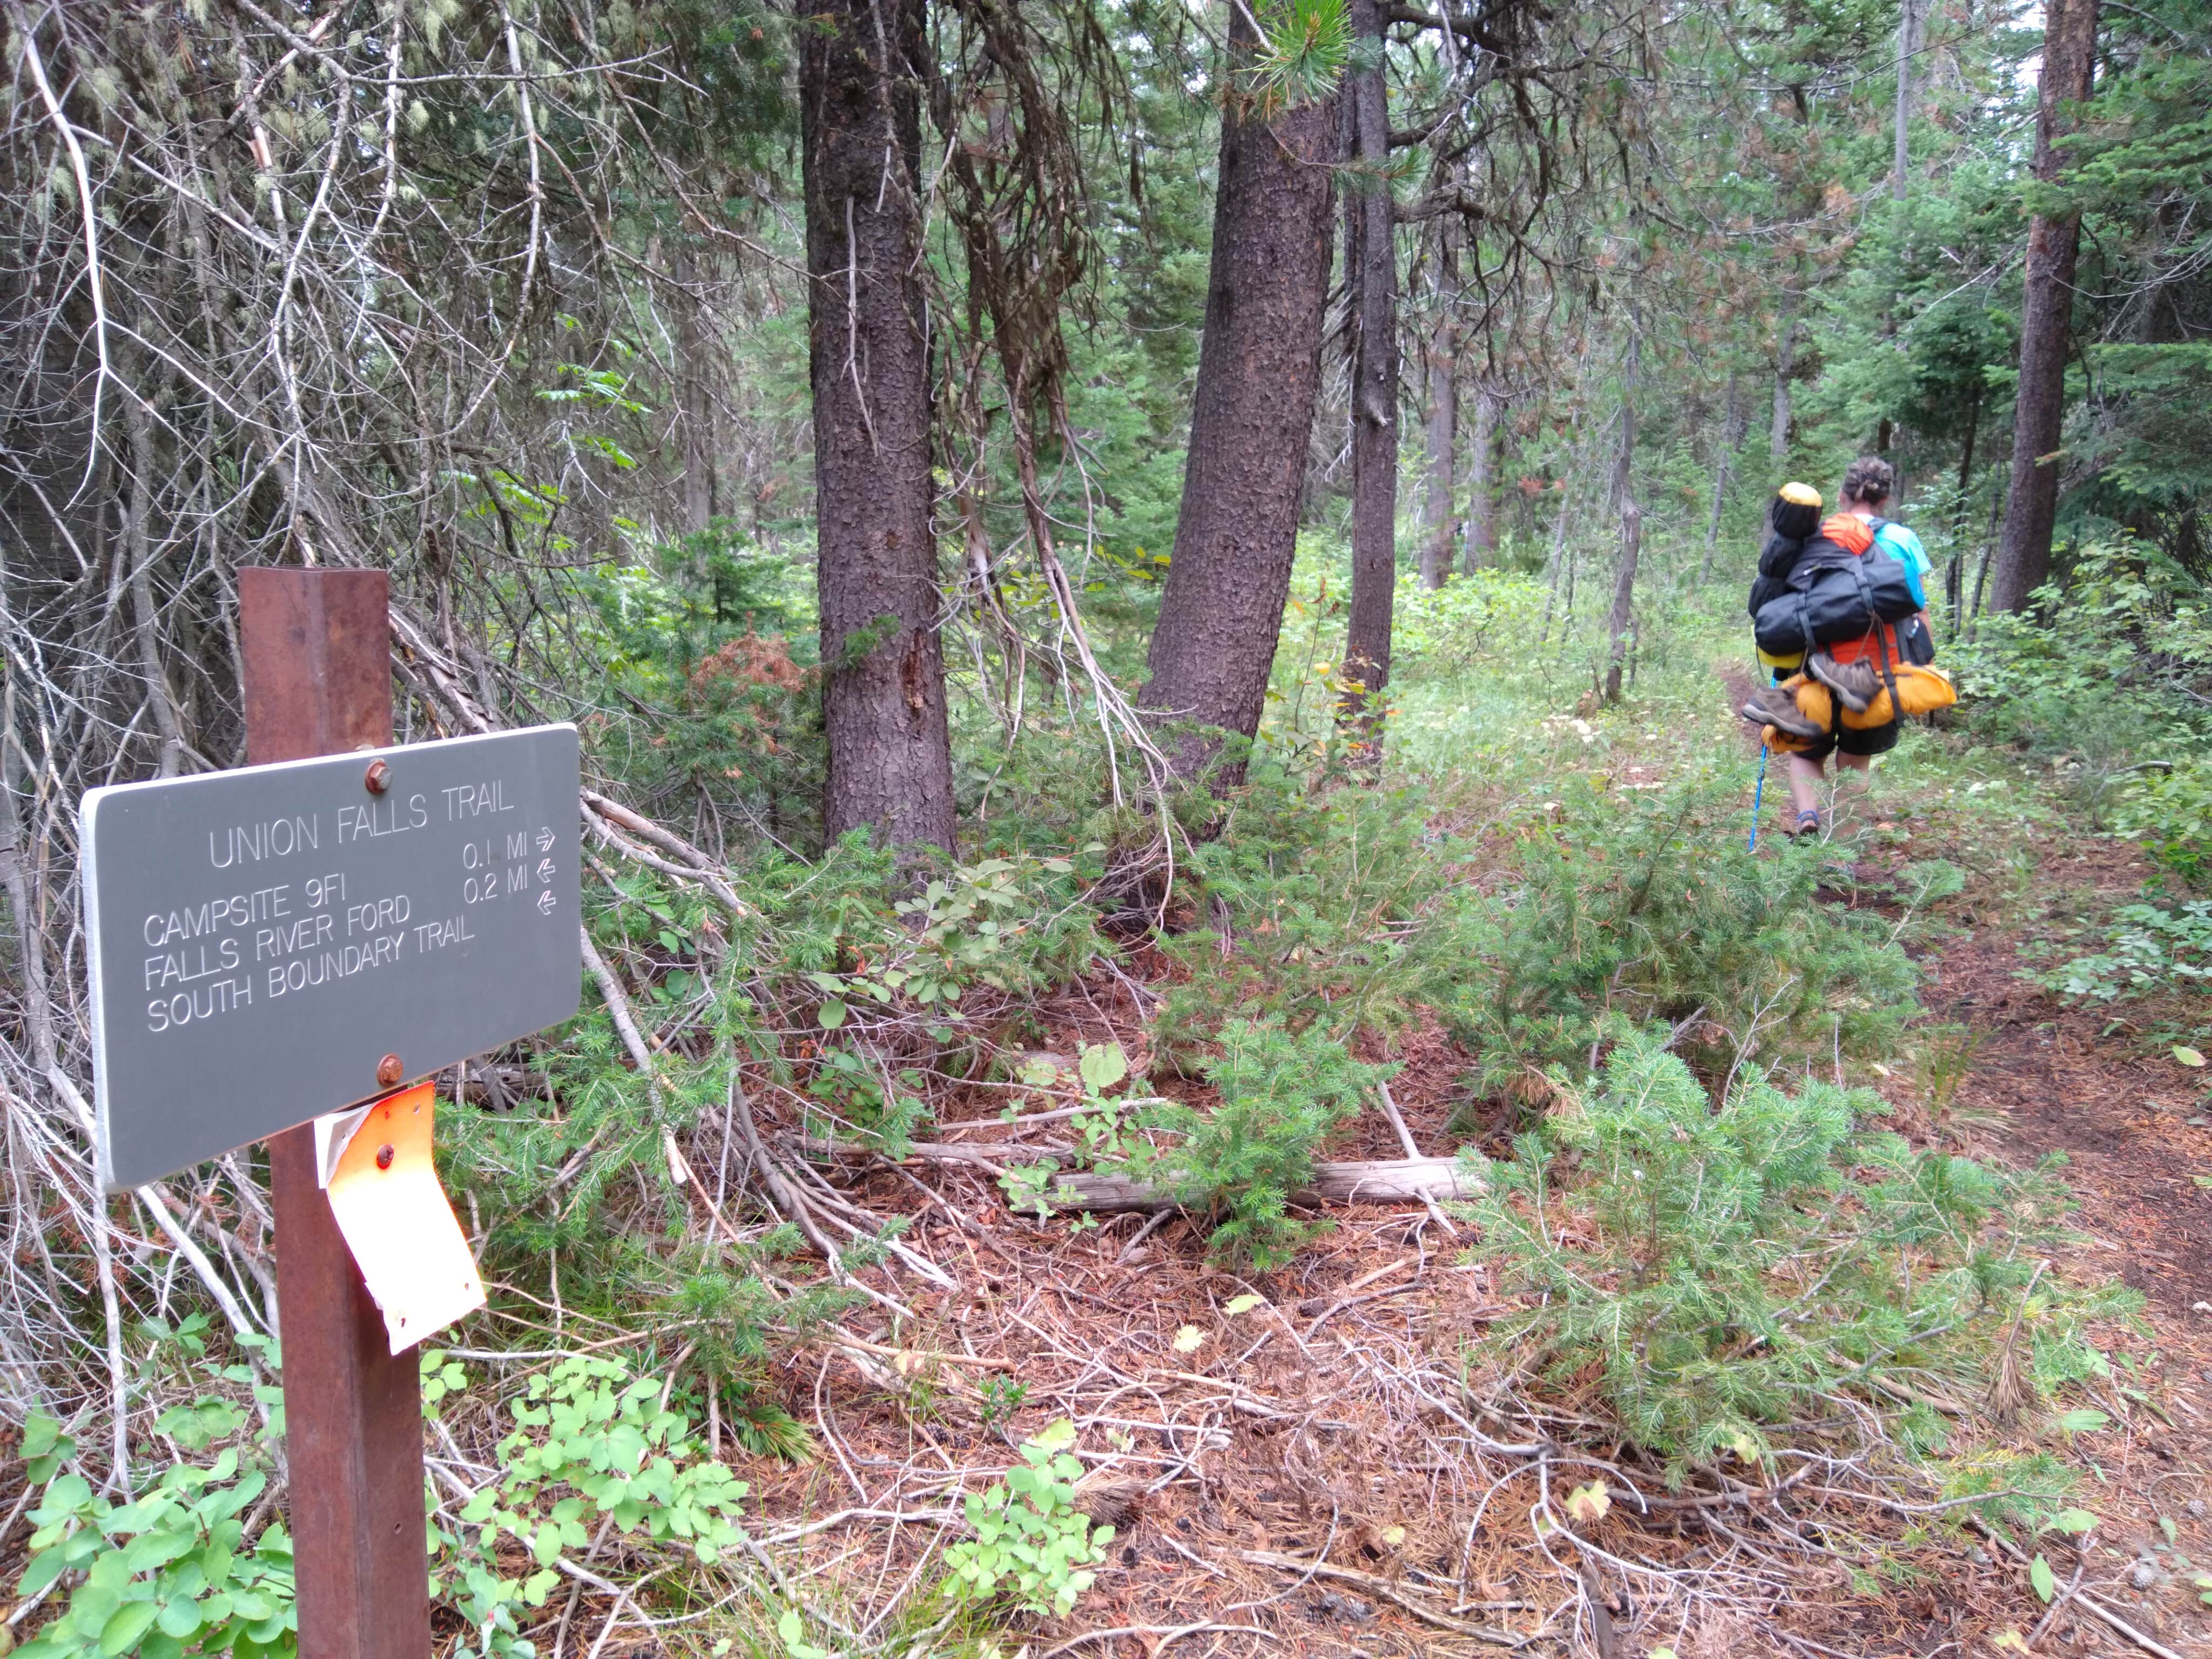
(545, 869)
(545, 841)
(546, 902)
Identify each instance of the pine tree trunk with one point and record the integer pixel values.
(1735, 419)
(1441, 377)
(1909, 31)
(861, 78)
(2023, 560)
(695, 396)
(1259, 372)
(1952, 582)
(1442, 435)
(1785, 353)
(1482, 481)
(1370, 258)
(1631, 515)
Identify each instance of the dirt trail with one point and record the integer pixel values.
(2136, 1131)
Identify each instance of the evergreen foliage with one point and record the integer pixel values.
(1655, 908)
(1724, 1277)
(1282, 1094)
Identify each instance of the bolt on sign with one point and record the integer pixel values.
(276, 943)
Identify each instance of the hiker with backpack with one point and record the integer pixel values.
(1847, 607)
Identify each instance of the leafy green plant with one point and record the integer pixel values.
(1101, 1122)
(1715, 1274)
(1031, 1545)
(1449, 631)
(1002, 1398)
(2170, 808)
(195, 1564)
(1283, 1094)
(591, 1442)
(2149, 951)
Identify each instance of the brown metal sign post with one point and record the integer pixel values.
(315, 647)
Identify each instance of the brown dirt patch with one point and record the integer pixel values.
(2135, 1129)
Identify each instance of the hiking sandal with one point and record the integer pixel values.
(1807, 823)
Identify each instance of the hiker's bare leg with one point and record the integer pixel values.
(1854, 779)
(1805, 784)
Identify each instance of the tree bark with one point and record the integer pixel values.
(1785, 353)
(1441, 425)
(1909, 29)
(1735, 419)
(1953, 579)
(1259, 372)
(1482, 480)
(1439, 526)
(695, 396)
(2023, 560)
(860, 79)
(1631, 515)
(1371, 258)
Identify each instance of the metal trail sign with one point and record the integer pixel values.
(275, 942)
(272, 944)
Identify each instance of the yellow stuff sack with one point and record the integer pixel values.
(1921, 691)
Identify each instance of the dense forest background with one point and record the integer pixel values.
(1186, 510)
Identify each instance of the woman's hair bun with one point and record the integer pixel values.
(1870, 478)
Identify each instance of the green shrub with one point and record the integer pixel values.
(1340, 908)
(1716, 1276)
(197, 1563)
(1471, 618)
(2106, 675)
(1655, 908)
(175, 1570)
(2170, 809)
(1283, 1094)
(592, 1441)
(1031, 1543)
(2149, 951)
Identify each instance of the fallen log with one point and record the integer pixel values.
(1373, 1180)
(1379, 1180)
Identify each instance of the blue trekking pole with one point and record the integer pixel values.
(1757, 793)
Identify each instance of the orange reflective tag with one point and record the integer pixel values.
(384, 1191)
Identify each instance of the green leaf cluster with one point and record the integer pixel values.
(185, 1567)
(2150, 951)
(1032, 1546)
(592, 1441)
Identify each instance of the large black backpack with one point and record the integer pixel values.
(1833, 594)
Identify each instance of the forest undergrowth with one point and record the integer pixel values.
(1489, 1205)
(1189, 1041)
